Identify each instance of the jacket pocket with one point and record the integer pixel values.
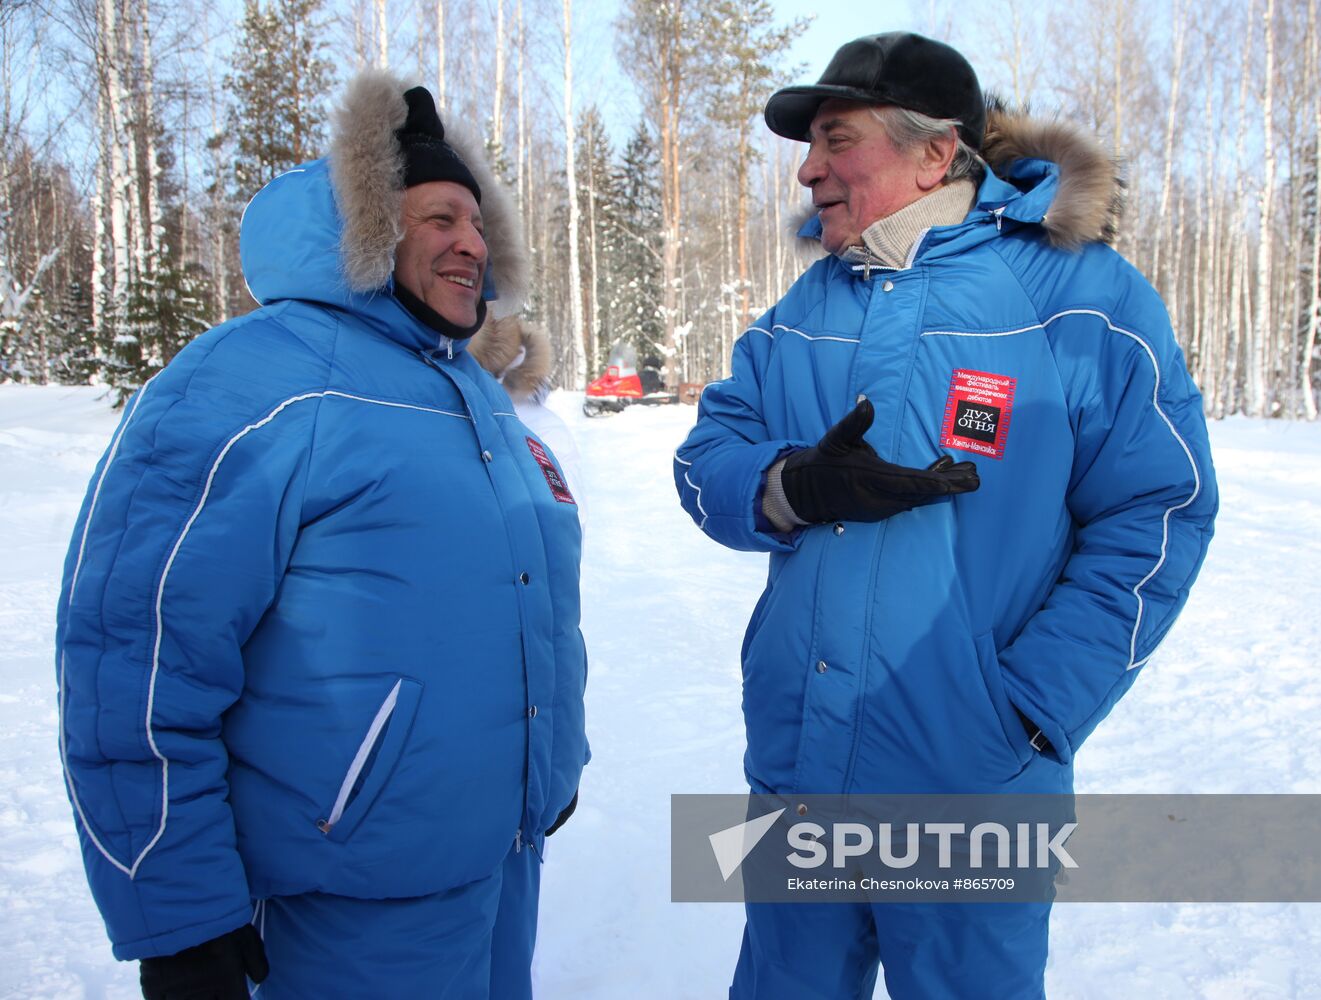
(375, 760)
(988, 660)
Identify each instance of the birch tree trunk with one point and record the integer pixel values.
(219, 270)
(1171, 119)
(498, 99)
(184, 216)
(1237, 237)
(1259, 393)
(521, 172)
(593, 286)
(100, 196)
(154, 221)
(133, 133)
(1119, 9)
(1020, 40)
(734, 226)
(778, 289)
(1313, 294)
(577, 359)
(440, 55)
(420, 42)
(671, 150)
(117, 173)
(741, 222)
(768, 240)
(359, 36)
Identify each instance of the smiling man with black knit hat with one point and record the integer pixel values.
(320, 667)
(969, 443)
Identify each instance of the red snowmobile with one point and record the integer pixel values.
(623, 385)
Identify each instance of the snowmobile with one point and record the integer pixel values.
(624, 385)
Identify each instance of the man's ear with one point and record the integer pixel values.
(934, 160)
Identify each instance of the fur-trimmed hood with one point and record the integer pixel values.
(1087, 200)
(326, 231)
(515, 352)
(367, 169)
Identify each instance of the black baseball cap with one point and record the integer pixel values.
(898, 68)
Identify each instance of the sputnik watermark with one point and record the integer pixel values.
(996, 848)
(807, 842)
(731, 847)
(1034, 848)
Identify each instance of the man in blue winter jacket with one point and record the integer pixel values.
(321, 678)
(968, 440)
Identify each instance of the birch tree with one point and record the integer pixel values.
(685, 230)
(1259, 395)
(577, 357)
(1312, 295)
(441, 95)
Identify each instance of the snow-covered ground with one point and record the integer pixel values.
(1232, 703)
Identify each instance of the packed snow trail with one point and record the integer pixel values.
(1231, 703)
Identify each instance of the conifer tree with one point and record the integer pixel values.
(280, 80)
(638, 300)
(750, 47)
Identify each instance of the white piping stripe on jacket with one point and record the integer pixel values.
(73, 583)
(805, 336)
(1133, 661)
(1004, 333)
(131, 871)
(697, 500)
(360, 758)
(698, 489)
(258, 921)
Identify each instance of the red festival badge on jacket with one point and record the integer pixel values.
(559, 489)
(977, 412)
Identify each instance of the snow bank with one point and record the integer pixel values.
(1232, 703)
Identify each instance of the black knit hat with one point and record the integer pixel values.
(900, 69)
(427, 156)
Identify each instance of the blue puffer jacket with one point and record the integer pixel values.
(319, 625)
(891, 657)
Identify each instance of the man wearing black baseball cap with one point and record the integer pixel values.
(969, 443)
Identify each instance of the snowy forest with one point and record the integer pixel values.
(133, 132)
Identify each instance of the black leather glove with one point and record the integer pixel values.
(842, 479)
(218, 969)
(564, 816)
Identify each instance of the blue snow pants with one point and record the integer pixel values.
(928, 951)
(474, 942)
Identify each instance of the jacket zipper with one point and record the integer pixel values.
(431, 360)
(360, 759)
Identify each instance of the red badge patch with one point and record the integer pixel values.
(977, 412)
(559, 489)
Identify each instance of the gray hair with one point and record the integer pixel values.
(908, 129)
